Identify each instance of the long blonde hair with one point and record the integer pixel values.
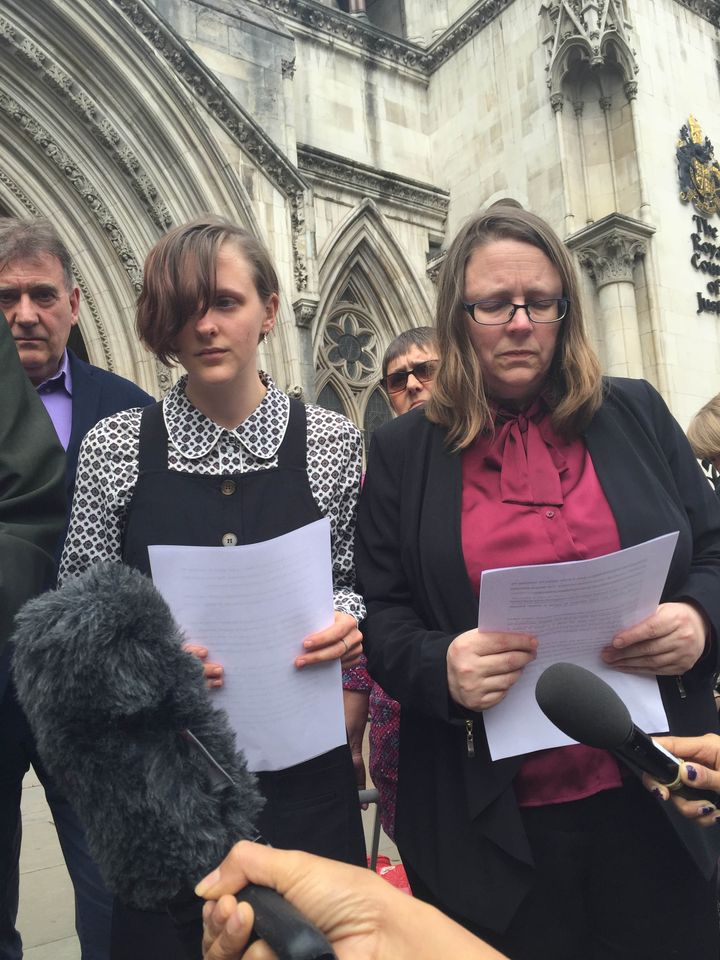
(574, 382)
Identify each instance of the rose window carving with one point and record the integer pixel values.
(351, 347)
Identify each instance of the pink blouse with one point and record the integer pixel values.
(529, 497)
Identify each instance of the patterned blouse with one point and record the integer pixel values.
(108, 470)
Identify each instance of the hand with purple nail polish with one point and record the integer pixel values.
(703, 773)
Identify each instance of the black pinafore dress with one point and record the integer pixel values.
(312, 806)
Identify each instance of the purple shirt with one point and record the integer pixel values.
(56, 394)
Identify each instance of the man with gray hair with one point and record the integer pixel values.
(40, 301)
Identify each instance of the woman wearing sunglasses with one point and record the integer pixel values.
(408, 370)
(409, 367)
(525, 454)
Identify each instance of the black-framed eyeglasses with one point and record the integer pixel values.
(493, 313)
(397, 381)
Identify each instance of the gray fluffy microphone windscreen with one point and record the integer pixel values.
(108, 692)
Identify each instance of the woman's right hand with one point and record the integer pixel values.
(213, 671)
(483, 666)
(700, 769)
(361, 914)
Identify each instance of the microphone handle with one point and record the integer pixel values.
(291, 935)
(640, 751)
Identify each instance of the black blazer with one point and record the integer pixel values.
(458, 824)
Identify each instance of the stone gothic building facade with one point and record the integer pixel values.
(354, 136)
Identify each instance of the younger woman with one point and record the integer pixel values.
(226, 457)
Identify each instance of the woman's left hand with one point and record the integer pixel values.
(341, 641)
(213, 671)
(669, 642)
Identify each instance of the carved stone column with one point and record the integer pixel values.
(305, 308)
(609, 250)
(557, 101)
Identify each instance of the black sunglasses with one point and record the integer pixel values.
(397, 381)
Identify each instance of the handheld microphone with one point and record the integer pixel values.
(587, 709)
(124, 723)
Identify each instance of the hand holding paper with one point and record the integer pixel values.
(575, 610)
(668, 642)
(252, 607)
(341, 641)
(213, 671)
(482, 667)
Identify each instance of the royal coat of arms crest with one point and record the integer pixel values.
(698, 170)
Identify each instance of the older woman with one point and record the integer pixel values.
(524, 454)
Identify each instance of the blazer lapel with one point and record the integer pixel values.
(86, 393)
(634, 478)
(449, 592)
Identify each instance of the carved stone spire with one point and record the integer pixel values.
(597, 31)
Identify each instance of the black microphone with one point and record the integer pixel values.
(587, 709)
(125, 725)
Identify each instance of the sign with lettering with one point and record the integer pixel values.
(706, 259)
(699, 176)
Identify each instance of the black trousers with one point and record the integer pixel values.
(174, 934)
(613, 882)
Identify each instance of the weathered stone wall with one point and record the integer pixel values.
(492, 128)
(336, 137)
(678, 75)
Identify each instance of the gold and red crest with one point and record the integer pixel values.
(698, 170)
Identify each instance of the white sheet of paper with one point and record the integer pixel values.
(252, 606)
(574, 609)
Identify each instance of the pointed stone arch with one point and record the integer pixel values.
(363, 248)
(117, 154)
(368, 295)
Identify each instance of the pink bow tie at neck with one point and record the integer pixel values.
(529, 474)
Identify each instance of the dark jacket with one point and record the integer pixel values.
(32, 451)
(32, 497)
(458, 824)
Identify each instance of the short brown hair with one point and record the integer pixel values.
(30, 239)
(179, 278)
(704, 430)
(424, 338)
(574, 381)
